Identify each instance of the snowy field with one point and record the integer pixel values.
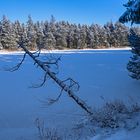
(102, 76)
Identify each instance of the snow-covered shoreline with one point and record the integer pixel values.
(5, 52)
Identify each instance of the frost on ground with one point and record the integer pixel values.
(102, 76)
(113, 121)
(120, 134)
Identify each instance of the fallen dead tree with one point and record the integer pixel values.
(66, 86)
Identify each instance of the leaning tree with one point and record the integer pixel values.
(132, 15)
(69, 86)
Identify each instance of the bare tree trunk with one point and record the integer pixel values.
(63, 85)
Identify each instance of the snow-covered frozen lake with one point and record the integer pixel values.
(100, 73)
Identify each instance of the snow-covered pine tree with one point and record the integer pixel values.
(61, 35)
(134, 63)
(7, 35)
(31, 34)
(121, 34)
(70, 37)
(89, 38)
(39, 35)
(82, 37)
(110, 33)
(49, 41)
(132, 15)
(96, 36)
(1, 47)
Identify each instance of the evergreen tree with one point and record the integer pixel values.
(90, 39)
(7, 35)
(121, 34)
(110, 34)
(31, 34)
(70, 38)
(134, 63)
(60, 35)
(18, 30)
(82, 38)
(39, 35)
(1, 47)
(132, 14)
(97, 35)
(49, 41)
(102, 37)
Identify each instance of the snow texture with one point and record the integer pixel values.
(100, 73)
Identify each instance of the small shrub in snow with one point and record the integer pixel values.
(46, 133)
(135, 108)
(112, 115)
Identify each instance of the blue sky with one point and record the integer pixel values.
(74, 11)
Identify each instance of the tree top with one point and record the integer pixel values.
(132, 13)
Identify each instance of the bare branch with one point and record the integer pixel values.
(42, 83)
(53, 61)
(37, 52)
(72, 84)
(50, 101)
(15, 68)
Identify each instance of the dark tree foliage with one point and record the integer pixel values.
(132, 15)
(133, 65)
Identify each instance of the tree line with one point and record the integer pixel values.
(61, 35)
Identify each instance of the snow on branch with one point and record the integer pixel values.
(132, 14)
